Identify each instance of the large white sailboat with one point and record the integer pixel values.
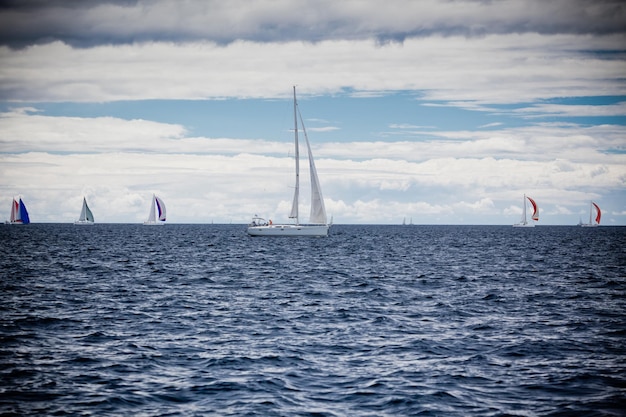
(86, 216)
(318, 225)
(593, 222)
(19, 214)
(156, 205)
(535, 216)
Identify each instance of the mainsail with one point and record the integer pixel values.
(15, 212)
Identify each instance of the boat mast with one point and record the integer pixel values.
(590, 212)
(524, 211)
(294, 206)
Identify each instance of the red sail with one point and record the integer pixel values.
(599, 213)
(535, 215)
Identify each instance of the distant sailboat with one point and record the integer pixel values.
(86, 216)
(19, 214)
(318, 226)
(593, 222)
(535, 216)
(156, 205)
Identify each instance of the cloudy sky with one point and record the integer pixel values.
(435, 111)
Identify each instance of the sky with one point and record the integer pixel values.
(430, 112)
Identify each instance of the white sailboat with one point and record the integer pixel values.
(156, 205)
(593, 222)
(535, 216)
(317, 226)
(19, 214)
(86, 216)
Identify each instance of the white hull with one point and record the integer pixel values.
(588, 225)
(149, 223)
(524, 225)
(83, 223)
(320, 230)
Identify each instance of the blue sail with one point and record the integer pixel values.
(24, 213)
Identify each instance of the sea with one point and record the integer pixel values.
(374, 320)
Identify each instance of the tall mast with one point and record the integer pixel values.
(294, 206)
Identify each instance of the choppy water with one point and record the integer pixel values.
(195, 320)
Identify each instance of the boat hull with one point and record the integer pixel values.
(524, 225)
(83, 223)
(289, 230)
(150, 223)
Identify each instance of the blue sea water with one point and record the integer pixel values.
(202, 320)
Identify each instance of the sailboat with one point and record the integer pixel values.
(593, 222)
(86, 216)
(318, 226)
(19, 214)
(535, 216)
(156, 205)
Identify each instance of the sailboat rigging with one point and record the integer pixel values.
(86, 216)
(19, 214)
(156, 205)
(318, 225)
(593, 222)
(535, 216)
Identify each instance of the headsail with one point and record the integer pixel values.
(598, 212)
(535, 215)
(161, 207)
(89, 214)
(85, 214)
(318, 211)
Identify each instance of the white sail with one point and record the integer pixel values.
(535, 216)
(156, 205)
(15, 213)
(318, 222)
(318, 211)
(86, 216)
(152, 215)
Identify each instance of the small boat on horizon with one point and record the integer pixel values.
(593, 222)
(19, 214)
(86, 216)
(318, 225)
(535, 216)
(156, 205)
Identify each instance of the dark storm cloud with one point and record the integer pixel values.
(91, 22)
